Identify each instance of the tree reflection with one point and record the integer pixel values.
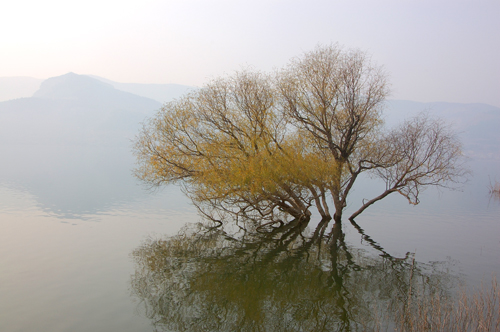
(494, 190)
(288, 278)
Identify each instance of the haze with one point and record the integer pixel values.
(432, 50)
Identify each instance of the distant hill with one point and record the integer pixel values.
(18, 87)
(159, 92)
(74, 109)
(24, 87)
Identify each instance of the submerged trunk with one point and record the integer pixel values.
(370, 202)
(337, 202)
(336, 191)
(337, 217)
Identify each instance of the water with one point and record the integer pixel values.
(77, 231)
(70, 216)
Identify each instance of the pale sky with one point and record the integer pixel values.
(432, 50)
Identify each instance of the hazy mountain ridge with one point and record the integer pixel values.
(160, 92)
(25, 87)
(72, 86)
(87, 91)
(74, 109)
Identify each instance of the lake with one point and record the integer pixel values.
(84, 246)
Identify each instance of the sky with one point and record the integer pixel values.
(437, 50)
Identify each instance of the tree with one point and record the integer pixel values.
(265, 147)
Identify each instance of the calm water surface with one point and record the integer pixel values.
(85, 247)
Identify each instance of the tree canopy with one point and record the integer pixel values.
(267, 147)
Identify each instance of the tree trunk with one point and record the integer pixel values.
(370, 202)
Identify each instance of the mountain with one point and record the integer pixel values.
(159, 92)
(23, 87)
(73, 86)
(85, 91)
(74, 109)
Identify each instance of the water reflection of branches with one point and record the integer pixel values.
(287, 278)
(374, 244)
(494, 189)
